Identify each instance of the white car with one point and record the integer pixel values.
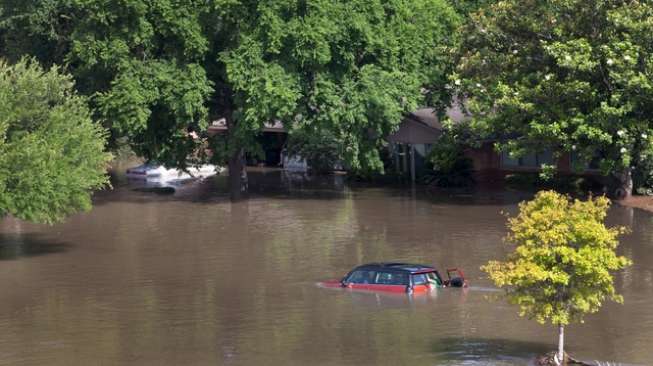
(156, 173)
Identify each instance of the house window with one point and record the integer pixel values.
(545, 157)
(531, 160)
(421, 149)
(507, 161)
(593, 164)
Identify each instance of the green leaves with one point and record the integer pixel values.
(155, 69)
(564, 75)
(350, 69)
(560, 268)
(51, 153)
(155, 103)
(576, 54)
(265, 90)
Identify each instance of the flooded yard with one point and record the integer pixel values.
(192, 279)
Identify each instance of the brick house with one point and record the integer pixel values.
(420, 130)
(490, 164)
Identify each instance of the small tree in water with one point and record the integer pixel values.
(560, 268)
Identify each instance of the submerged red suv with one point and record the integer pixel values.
(398, 277)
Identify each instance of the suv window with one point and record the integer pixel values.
(391, 278)
(420, 279)
(361, 277)
(434, 278)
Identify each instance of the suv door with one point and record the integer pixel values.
(420, 282)
(361, 279)
(390, 281)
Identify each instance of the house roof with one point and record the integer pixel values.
(412, 130)
(424, 127)
(428, 116)
(419, 127)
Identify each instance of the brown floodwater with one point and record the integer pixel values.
(191, 279)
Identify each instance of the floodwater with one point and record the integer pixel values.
(191, 279)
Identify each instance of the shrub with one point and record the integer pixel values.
(451, 168)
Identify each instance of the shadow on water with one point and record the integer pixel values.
(263, 183)
(16, 246)
(485, 351)
(476, 196)
(279, 184)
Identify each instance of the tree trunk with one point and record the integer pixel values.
(561, 345)
(237, 174)
(412, 163)
(624, 184)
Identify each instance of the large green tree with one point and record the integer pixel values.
(160, 68)
(51, 153)
(574, 76)
(560, 268)
(467, 7)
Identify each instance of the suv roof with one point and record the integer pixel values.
(398, 267)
